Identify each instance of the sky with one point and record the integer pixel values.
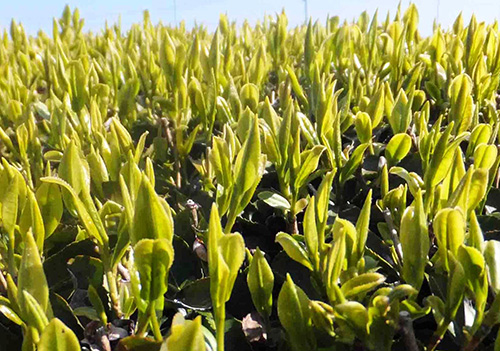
(38, 14)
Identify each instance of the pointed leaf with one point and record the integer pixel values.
(293, 249)
(58, 337)
(361, 284)
(260, 281)
(295, 316)
(414, 242)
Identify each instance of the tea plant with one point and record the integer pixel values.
(332, 186)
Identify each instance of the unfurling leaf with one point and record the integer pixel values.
(152, 216)
(152, 261)
(449, 228)
(363, 125)
(31, 277)
(260, 281)
(414, 242)
(295, 316)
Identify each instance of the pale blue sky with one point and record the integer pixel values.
(38, 14)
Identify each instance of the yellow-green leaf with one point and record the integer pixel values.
(293, 249)
(185, 335)
(260, 281)
(295, 316)
(151, 218)
(414, 242)
(31, 275)
(58, 337)
(449, 228)
(397, 148)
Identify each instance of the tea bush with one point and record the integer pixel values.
(332, 186)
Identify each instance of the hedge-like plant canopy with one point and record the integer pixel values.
(332, 186)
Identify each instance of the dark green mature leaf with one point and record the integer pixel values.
(63, 311)
(195, 295)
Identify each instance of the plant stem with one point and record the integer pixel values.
(473, 344)
(142, 324)
(113, 292)
(267, 324)
(155, 326)
(231, 219)
(178, 165)
(220, 316)
(3, 284)
(110, 278)
(294, 228)
(438, 335)
(394, 236)
(406, 328)
(12, 269)
(478, 337)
